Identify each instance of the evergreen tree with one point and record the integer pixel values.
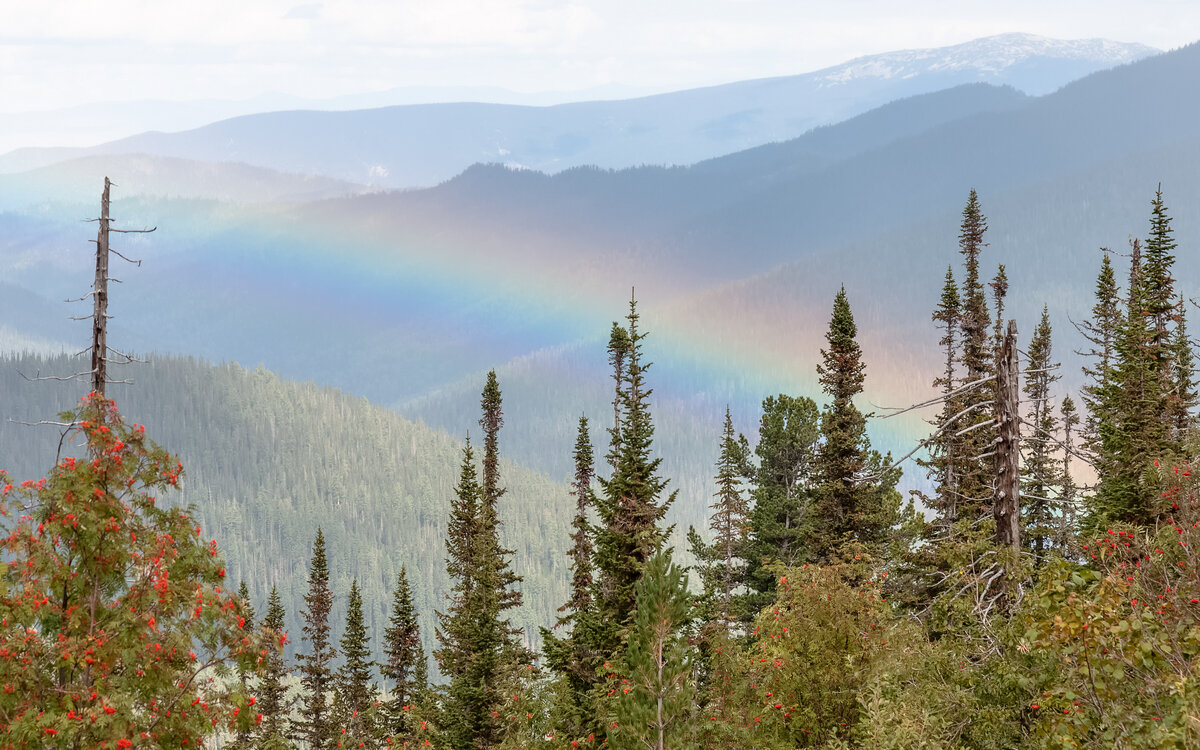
(655, 709)
(999, 285)
(842, 456)
(975, 479)
(274, 731)
(478, 646)
(462, 718)
(1068, 519)
(1101, 332)
(404, 654)
(1040, 475)
(316, 666)
(729, 521)
(943, 462)
(1159, 302)
(577, 656)
(618, 354)
(354, 694)
(781, 521)
(242, 739)
(632, 507)
(1183, 386)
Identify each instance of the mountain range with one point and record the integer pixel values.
(424, 144)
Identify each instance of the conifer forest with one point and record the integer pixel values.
(1040, 591)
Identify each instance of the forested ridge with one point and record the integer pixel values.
(1047, 596)
(267, 461)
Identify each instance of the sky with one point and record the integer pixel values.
(58, 53)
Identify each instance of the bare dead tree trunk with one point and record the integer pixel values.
(1006, 506)
(100, 300)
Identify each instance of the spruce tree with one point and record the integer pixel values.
(730, 521)
(1101, 333)
(1183, 386)
(943, 464)
(462, 718)
(842, 456)
(577, 655)
(655, 709)
(403, 656)
(632, 507)
(999, 285)
(781, 522)
(354, 694)
(1040, 473)
(274, 731)
(974, 486)
(316, 665)
(1068, 492)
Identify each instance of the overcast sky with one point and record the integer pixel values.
(56, 53)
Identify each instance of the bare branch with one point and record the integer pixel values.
(122, 257)
(961, 389)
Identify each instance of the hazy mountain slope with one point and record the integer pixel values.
(167, 177)
(268, 461)
(426, 144)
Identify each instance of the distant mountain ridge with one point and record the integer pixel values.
(421, 145)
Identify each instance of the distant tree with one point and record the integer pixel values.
(354, 693)
(403, 656)
(274, 703)
(1040, 469)
(999, 285)
(1068, 520)
(113, 605)
(781, 520)
(1183, 386)
(316, 664)
(655, 709)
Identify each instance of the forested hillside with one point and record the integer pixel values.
(267, 461)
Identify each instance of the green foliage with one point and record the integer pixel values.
(781, 522)
(316, 724)
(113, 606)
(404, 664)
(1040, 472)
(355, 697)
(653, 706)
(274, 702)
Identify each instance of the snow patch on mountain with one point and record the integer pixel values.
(988, 57)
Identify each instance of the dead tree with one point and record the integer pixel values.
(1006, 504)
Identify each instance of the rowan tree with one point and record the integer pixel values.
(117, 629)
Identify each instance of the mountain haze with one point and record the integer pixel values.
(421, 145)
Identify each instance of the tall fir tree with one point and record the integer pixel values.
(274, 731)
(655, 711)
(975, 480)
(999, 286)
(844, 496)
(316, 664)
(782, 521)
(632, 507)
(478, 645)
(403, 656)
(354, 693)
(462, 719)
(1040, 478)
